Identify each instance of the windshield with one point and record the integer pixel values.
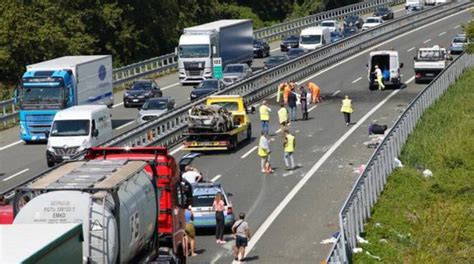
(230, 106)
(41, 96)
(204, 200)
(295, 52)
(257, 43)
(349, 30)
(208, 84)
(275, 60)
(291, 38)
(372, 20)
(65, 128)
(352, 18)
(194, 51)
(141, 86)
(154, 105)
(328, 24)
(311, 39)
(460, 40)
(234, 68)
(382, 10)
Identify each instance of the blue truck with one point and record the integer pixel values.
(50, 86)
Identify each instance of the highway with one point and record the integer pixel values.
(291, 212)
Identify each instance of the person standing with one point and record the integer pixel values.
(218, 206)
(264, 116)
(292, 104)
(347, 110)
(283, 116)
(190, 231)
(379, 77)
(264, 153)
(304, 102)
(315, 92)
(289, 145)
(286, 93)
(242, 236)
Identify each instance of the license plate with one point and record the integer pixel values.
(66, 157)
(430, 74)
(135, 100)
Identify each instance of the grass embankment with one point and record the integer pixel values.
(430, 220)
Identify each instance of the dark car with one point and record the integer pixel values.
(353, 21)
(140, 91)
(385, 12)
(206, 87)
(336, 36)
(295, 52)
(289, 43)
(273, 61)
(261, 49)
(349, 31)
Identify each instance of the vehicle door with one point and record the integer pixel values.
(394, 66)
(95, 133)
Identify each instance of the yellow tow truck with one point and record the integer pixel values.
(225, 136)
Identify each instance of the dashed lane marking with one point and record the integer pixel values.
(16, 174)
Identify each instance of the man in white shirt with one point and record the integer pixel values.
(192, 175)
(379, 77)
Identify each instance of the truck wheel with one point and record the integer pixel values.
(233, 143)
(249, 132)
(50, 163)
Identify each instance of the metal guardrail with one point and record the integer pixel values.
(169, 62)
(363, 196)
(168, 130)
(9, 112)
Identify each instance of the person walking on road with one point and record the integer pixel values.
(283, 116)
(218, 206)
(304, 102)
(242, 236)
(315, 92)
(379, 77)
(289, 145)
(190, 231)
(292, 98)
(347, 110)
(264, 153)
(265, 116)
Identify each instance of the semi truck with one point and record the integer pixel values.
(53, 85)
(117, 200)
(222, 125)
(231, 40)
(429, 62)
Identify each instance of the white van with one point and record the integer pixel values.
(414, 4)
(388, 62)
(75, 129)
(314, 37)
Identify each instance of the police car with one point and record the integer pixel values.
(203, 197)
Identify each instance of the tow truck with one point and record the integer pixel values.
(429, 62)
(236, 131)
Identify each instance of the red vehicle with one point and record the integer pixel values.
(171, 217)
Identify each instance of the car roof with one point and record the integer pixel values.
(291, 36)
(144, 81)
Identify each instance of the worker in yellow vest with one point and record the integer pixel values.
(264, 116)
(283, 116)
(264, 153)
(289, 148)
(347, 110)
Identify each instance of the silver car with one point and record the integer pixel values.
(154, 108)
(236, 72)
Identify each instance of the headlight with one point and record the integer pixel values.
(50, 149)
(126, 94)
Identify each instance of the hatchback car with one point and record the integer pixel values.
(458, 44)
(140, 91)
(295, 53)
(261, 49)
(273, 61)
(349, 31)
(353, 21)
(371, 22)
(336, 36)
(154, 108)
(203, 197)
(289, 43)
(206, 87)
(236, 72)
(385, 13)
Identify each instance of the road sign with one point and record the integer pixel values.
(217, 68)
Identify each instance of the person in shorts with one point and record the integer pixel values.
(190, 231)
(242, 236)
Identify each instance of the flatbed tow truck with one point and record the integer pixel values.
(239, 131)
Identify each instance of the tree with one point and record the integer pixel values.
(469, 29)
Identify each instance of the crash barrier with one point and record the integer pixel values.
(168, 130)
(169, 62)
(370, 184)
(8, 113)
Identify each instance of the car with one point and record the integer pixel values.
(213, 118)
(275, 60)
(371, 22)
(332, 25)
(289, 42)
(336, 36)
(154, 108)
(349, 31)
(353, 21)
(385, 13)
(206, 87)
(261, 49)
(415, 8)
(236, 72)
(202, 199)
(458, 44)
(140, 91)
(295, 52)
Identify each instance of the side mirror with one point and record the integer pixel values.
(95, 133)
(401, 65)
(176, 51)
(214, 50)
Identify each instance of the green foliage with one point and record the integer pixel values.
(469, 29)
(430, 220)
(306, 8)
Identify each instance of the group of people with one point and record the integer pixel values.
(289, 146)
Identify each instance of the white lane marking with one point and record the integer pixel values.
(336, 92)
(410, 80)
(169, 86)
(356, 80)
(411, 49)
(11, 145)
(174, 151)
(378, 45)
(312, 108)
(442, 33)
(278, 131)
(117, 105)
(275, 49)
(16, 174)
(216, 178)
(426, 41)
(249, 152)
(456, 27)
(124, 125)
(271, 218)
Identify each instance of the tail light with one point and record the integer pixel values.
(224, 142)
(230, 211)
(418, 75)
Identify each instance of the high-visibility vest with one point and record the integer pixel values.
(261, 151)
(283, 115)
(264, 113)
(347, 106)
(290, 143)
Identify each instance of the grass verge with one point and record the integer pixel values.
(430, 219)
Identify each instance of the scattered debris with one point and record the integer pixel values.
(360, 240)
(331, 240)
(378, 224)
(373, 256)
(427, 173)
(398, 163)
(357, 250)
(383, 240)
(376, 129)
(374, 141)
(359, 169)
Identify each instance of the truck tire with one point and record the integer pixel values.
(50, 163)
(233, 143)
(249, 133)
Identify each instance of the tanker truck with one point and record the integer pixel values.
(117, 202)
